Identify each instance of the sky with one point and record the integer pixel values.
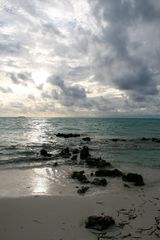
(79, 58)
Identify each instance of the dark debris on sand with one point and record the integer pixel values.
(137, 179)
(83, 190)
(99, 223)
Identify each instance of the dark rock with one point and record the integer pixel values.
(84, 153)
(88, 139)
(99, 182)
(114, 140)
(156, 140)
(75, 151)
(144, 139)
(126, 185)
(65, 153)
(92, 174)
(99, 223)
(74, 157)
(44, 153)
(137, 179)
(67, 135)
(97, 162)
(82, 190)
(109, 173)
(80, 177)
(55, 164)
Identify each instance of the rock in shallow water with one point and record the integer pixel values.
(67, 135)
(88, 139)
(44, 153)
(74, 157)
(75, 151)
(99, 182)
(99, 223)
(65, 153)
(97, 162)
(80, 177)
(84, 153)
(109, 173)
(137, 179)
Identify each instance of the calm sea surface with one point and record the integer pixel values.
(21, 140)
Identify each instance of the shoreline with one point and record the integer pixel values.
(63, 217)
(46, 208)
(55, 181)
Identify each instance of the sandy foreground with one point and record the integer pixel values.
(136, 211)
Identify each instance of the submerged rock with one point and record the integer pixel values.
(65, 153)
(74, 157)
(99, 182)
(67, 135)
(88, 139)
(114, 140)
(118, 140)
(144, 139)
(75, 151)
(109, 173)
(80, 176)
(126, 185)
(157, 140)
(97, 162)
(83, 190)
(44, 153)
(99, 223)
(84, 153)
(137, 179)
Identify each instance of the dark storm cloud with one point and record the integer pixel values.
(75, 92)
(67, 95)
(129, 72)
(138, 79)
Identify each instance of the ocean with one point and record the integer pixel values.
(122, 141)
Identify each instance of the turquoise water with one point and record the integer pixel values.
(22, 138)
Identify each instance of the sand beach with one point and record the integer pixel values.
(55, 213)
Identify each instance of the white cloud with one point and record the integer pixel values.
(106, 54)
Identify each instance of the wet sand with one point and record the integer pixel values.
(58, 215)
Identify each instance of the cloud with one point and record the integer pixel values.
(31, 97)
(72, 92)
(6, 90)
(21, 78)
(102, 57)
(127, 70)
